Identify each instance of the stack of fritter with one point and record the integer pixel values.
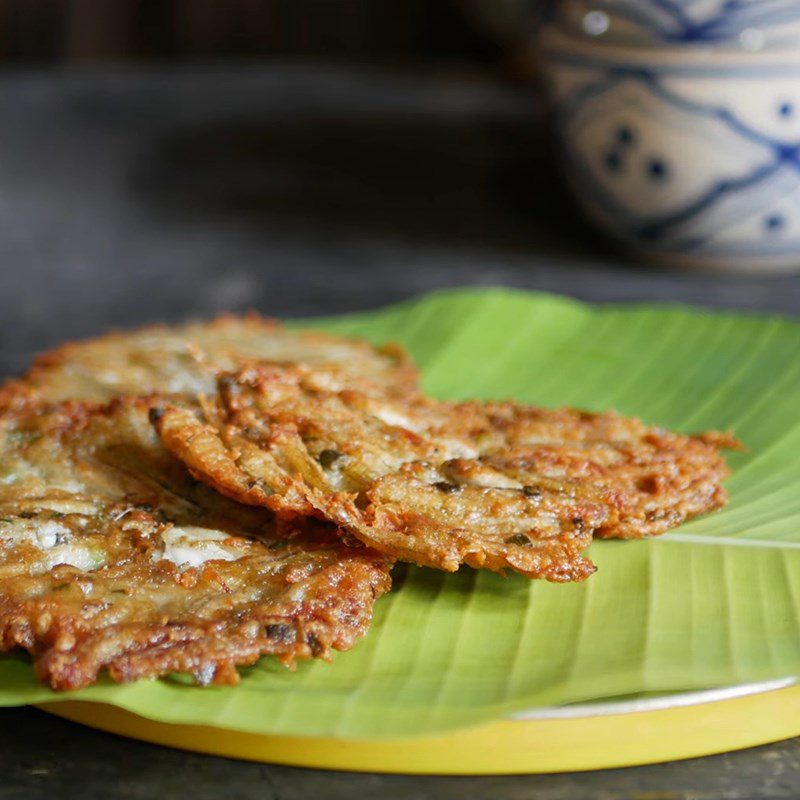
(189, 499)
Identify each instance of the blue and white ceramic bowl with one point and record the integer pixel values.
(689, 154)
(747, 24)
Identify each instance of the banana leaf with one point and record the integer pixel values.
(714, 603)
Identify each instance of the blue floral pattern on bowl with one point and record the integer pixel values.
(696, 160)
(749, 24)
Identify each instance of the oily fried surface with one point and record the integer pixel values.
(402, 473)
(488, 484)
(113, 558)
(184, 358)
(659, 478)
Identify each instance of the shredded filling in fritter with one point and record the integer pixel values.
(394, 469)
(654, 479)
(113, 558)
(184, 358)
(491, 485)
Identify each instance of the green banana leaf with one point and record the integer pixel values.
(714, 603)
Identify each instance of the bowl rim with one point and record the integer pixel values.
(560, 45)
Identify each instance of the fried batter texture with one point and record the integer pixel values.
(658, 478)
(184, 358)
(113, 558)
(491, 485)
(402, 473)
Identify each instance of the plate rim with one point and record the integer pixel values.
(660, 703)
(496, 748)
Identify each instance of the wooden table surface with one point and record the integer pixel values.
(130, 195)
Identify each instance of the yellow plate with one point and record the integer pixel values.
(560, 743)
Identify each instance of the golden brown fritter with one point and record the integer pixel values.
(112, 557)
(398, 471)
(488, 484)
(658, 478)
(184, 358)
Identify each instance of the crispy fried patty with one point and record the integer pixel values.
(657, 478)
(397, 470)
(184, 358)
(487, 484)
(112, 557)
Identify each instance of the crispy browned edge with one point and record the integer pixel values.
(16, 392)
(558, 559)
(68, 652)
(687, 474)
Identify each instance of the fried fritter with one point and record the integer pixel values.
(184, 358)
(112, 557)
(659, 478)
(488, 484)
(398, 471)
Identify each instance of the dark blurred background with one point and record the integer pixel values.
(79, 30)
